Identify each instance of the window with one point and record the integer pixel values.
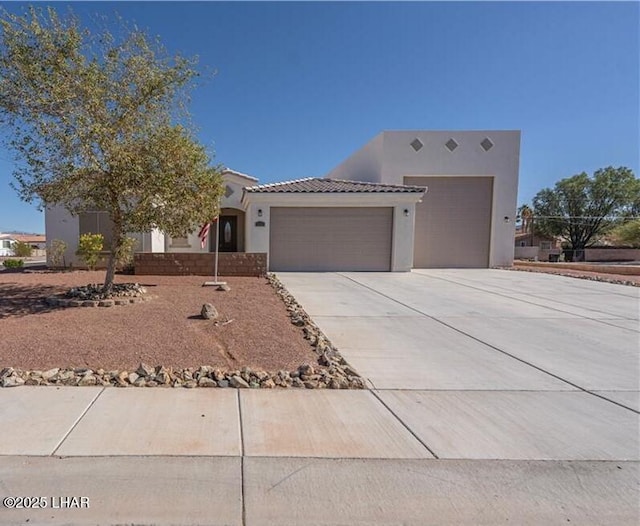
(182, 242)
(6, 243)
(97, 223)
(545, 245)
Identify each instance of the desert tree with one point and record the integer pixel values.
(581, 208)
(97, 120)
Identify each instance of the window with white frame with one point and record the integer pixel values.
(545, 245)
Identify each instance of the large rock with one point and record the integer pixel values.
(238, 382)
(145, 370)
(209, 312)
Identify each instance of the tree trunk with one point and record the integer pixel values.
(116, 245)
(111, 272)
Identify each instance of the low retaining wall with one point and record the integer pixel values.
(612, 254)
(200, 264)
(590, 254)
(623, 270)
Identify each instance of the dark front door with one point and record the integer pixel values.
(228, 240)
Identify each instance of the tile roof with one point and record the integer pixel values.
(318, 185)
(30, 238)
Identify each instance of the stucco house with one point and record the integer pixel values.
(36, 241)
(407, 199)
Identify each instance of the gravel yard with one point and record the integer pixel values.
(166, 330)
(583, 274)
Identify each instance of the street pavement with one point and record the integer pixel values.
(496, 397)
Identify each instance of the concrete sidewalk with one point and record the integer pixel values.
(498, 397)
(166, 456)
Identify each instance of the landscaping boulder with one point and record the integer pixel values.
(209, 312)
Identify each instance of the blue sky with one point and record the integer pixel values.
(300, 86)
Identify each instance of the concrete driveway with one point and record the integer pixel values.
(491, 364)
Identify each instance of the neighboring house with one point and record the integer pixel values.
(525, 239)
(537, 247)
(35, 241)
(370, 213)
(6, 244)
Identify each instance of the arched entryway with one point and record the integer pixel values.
(231, 231)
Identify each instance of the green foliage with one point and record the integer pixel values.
(627, 234)
(124, 255)
(56, 251)
(97, 122)
(525, 216)
(582, 208)
(21, 249)
(89, 248)
(13, 263)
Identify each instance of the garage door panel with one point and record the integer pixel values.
(330, 239)
(453, 222)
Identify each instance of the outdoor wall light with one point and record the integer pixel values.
(259, 212)
(507, 219)
(406, 212)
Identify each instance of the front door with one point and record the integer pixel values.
(228, 240)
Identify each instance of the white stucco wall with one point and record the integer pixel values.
(236, 182)
(60, 224)
(257, 237)
(392, 154)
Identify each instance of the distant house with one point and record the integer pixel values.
(6, 244)
(526, 239)
(537, 247)
(35, 241)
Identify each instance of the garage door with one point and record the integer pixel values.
(330, 239)
(453, 222)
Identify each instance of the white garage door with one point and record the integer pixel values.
(330, 239)
(453, 222)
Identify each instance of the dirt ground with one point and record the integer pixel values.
(601, 276)
(167, 330)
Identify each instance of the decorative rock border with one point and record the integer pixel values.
(306, 376)
(558, 272)
(331, 372)
(92, 296)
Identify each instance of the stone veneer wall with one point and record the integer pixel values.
(200, 264)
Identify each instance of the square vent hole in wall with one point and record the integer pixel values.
(416, 144)
(228, 191)
(451, 145)
(486, 144)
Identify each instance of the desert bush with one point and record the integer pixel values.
(89, 249)
(13, 263)
(21, 249)
(628, 233)
(124, 255)
(56, 251)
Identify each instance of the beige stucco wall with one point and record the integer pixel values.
(257, 237)
(395, 159)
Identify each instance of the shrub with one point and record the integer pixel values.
(124, 256)
(21, 249)
(56, 251)
(89, 249)
(13, 263)
(628, 233)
